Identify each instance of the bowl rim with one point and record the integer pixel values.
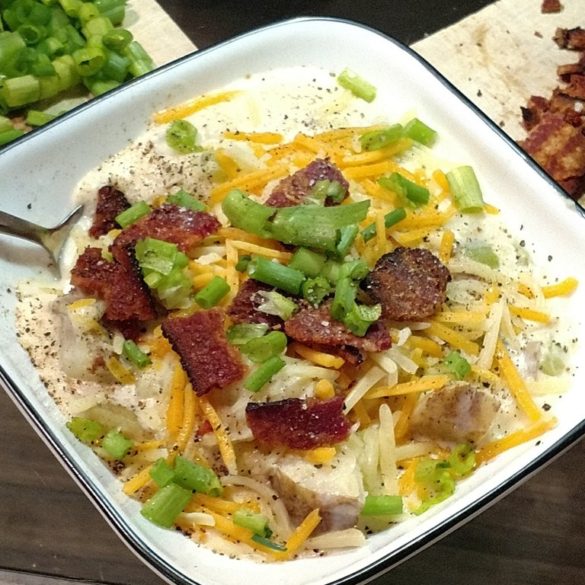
(123, 528)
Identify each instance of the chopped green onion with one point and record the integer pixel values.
(263, 373)
(114, 10)
(327, 190)
(436, 482)
(259, 349)
(140, 61)
(174, 289)
(277, 275)
(241, 333)
(308, 262)
(482, 253)
(115, 68)
(465, 189)
(116, 444)
(5, 124)
(257, 523)
(9, 135)
(357, 85)
(117, 39)
(360, 317)
(71, 7)
(162, 473)
(314, 226)
(134, 354)
(246, 214)
(162, 265)
(276, 304)
(331, 271)
(87, 11)
(31, 33)
(346, 239)
(19, 91)
(461, 460)
(405, 188)
(11, 43)
(183, 199)
(457, 365)
(552, 363)
(166, 505)
(212, 293)
(382, 505)
(193, 476)
(158, 255)
(97, 27)
(354, 269)
(181, 136)
(132, 214)
(311, 226)
(344, 299)
(420, 132)
(315, 290)
(377, 139)
(85, 429)
(89, 60)
(243, 263)
(268, 543)
(390, 219)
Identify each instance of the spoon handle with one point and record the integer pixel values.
(21, 228)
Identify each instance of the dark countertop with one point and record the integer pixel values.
(534, 536)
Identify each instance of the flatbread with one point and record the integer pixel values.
(503, 54)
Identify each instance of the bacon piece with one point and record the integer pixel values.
(551, 6)
(293, 189)
(244, 307)
(317, 328)
(298, 424)
(410, 283)
(570, 38)
(532, 114)
(208, 359)
(127, 297)
(559, 148)
(110, 203)
(576, 87)
(170, 223)
(565, 71)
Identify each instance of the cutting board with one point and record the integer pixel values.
(498, 57)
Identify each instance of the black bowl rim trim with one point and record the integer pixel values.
(124, 529)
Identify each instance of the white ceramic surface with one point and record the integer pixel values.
(37, 177)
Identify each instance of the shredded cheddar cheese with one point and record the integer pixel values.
(516, 384)
(193, 106)
(317, 357)
(514, 439)
(224, 442)
(422, 384)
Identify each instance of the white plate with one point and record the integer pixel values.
(39, 172)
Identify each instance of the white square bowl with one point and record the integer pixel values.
(39, 172)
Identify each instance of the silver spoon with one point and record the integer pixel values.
(51, 239)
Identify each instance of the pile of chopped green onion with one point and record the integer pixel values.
(162, 265)
(112, 442)
(49, 47)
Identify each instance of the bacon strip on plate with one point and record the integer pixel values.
(208, 359)
(110, 203)
(317, 328)
(127, 298)
(298, 424)
(410, 283)
(293, 189)
(170, 223)
(244, 308)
